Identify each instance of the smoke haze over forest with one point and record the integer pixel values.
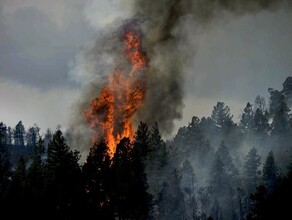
(126, 109)
(45, 67)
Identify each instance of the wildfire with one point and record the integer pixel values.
(111, 113)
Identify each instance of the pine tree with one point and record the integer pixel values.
(122, 179)
(195, 132)
(287, 89)
(188, 177)
(279, 111)
(32, 136)
(272, 204)
(171, 199)
(270, 172)
(280, 119)
(251, 169)
(63, 176)
(260, 103)
(226, 159)
(3, 134)
(222, 117)
(260, 207)
(36, 181)
(48, 137)
(16, 195)
(157, 155)
(246, 122)
(142, 140)
(219, 179)
(18, 134)
(9, 136)
(156, 167)
(188, 185)
(5, 170)
(35, 171)
(260, 123)
(97, 180)
(155, 140)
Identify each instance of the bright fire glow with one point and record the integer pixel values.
(111, 113)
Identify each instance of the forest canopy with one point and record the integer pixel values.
(214, 168)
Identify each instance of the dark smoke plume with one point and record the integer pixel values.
(166, 27)
(168, 49)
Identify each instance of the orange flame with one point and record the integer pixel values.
(110, 114)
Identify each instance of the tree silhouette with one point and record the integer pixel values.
(18, 134)
(251, 169)
(97, 182)
(270, 172)
(222, 117)
(63, 176)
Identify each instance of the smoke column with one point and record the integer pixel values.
(167, 45)
(166, 26)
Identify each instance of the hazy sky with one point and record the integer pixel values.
(234, 60)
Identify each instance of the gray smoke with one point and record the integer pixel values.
(169, 28)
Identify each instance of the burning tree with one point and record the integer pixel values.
(111, 113)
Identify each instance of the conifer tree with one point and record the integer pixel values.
(260, 123)
(171, 199)
(3, 134)
(18, 134)
(97, 182)
(226, 159)
(122, 179)
(246, 122)
(5, 170)
(251, 169)
(218, 176)
(32, 136)
(270, 172)
(9, 135)
(222, 117)
(259, 103)
(16, 194)
(63, 176)
(279, 112)
(36, 181)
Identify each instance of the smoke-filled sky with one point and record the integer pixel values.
(42, 74)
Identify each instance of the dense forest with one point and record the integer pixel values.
(213, 168)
